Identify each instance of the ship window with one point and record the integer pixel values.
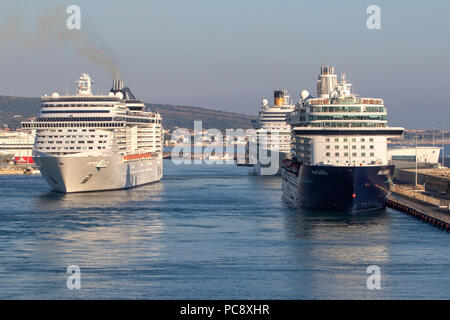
(353, 139)
(345, 139)
(371, 147)
(336, 139)
(337, 154)
(363, 154)
(372, 154)
(327, 147)
(336, 146)
(362, 139)
(354, 154)
(353, 147)
(327, 154)
(327, 139)
(371, 139)
(346, 154)
(346, 147)
(363, 147)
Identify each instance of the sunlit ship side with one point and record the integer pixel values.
(273, 133)
(339, 149)
(87, 142)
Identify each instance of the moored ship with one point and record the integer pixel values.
(87, 142)
(273, 133)
(339, 149)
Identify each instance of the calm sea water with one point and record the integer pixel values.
(208, 232)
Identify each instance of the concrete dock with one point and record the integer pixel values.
(434, 179)
(429, 213)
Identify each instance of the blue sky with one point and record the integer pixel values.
(228, 55)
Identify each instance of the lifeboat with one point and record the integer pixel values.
(138, 156)
(291, 166)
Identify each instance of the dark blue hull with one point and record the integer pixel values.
(338, 188)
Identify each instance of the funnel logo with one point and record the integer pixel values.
(74, 20)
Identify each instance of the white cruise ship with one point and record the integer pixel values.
(87, 142)
(273, 133)
(339, 149)
(19, 144)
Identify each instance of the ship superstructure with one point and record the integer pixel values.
(87, 142)
(339, 148)
(18, 144)
(273, 133)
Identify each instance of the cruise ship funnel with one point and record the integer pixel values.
(117, 85)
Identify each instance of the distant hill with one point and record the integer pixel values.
(184, 117)
(13, 110)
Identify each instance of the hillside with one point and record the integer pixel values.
(13, 110)
(184, 117)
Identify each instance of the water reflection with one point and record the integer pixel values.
(361, 236)
(110, 229)
(102, 199)
(337, 247)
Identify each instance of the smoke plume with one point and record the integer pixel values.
(50, 27)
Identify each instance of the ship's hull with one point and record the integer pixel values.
(96, 173)
(337, 188)
(271, 168)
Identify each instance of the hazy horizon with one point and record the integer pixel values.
(230, 55)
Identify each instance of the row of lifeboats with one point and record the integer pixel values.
(139, 156)
(372, 101)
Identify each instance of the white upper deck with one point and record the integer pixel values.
(339, 128)
(272, 117)
(337, 107)
(86, 122)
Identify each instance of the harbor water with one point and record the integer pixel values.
(208, 232)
